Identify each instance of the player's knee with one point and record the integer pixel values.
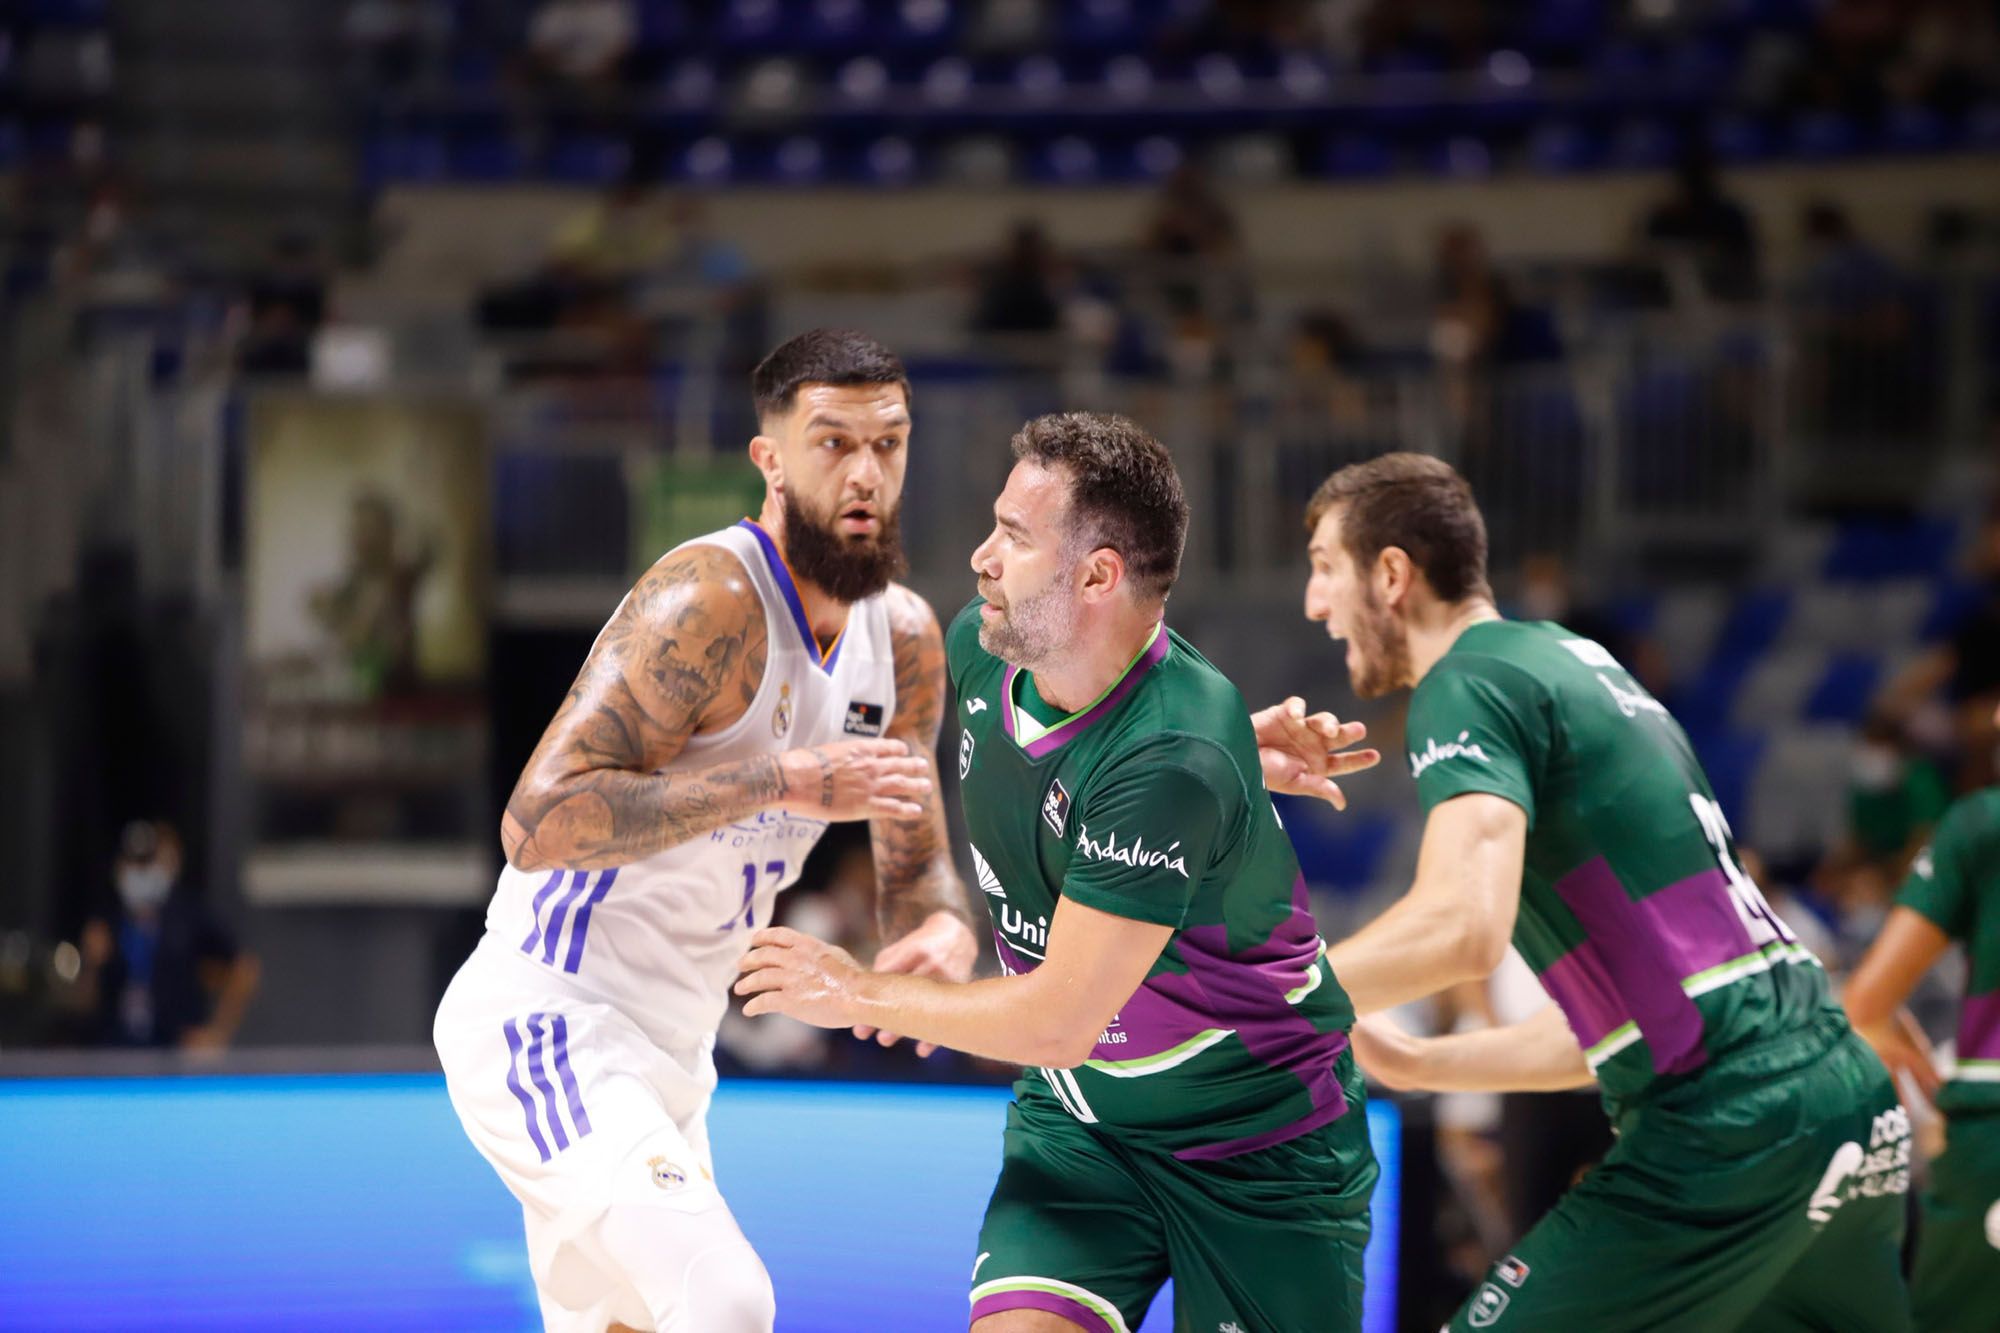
(729, 1290)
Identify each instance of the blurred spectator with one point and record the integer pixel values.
(1473, 307)
(1204, 287)
(287, 304)
(1860, 352)
(1703, 238)
(583, 43)
(1950, 57)
(1546, 590)
(1961, 676)
(615, 239)
(369, 613)
(1020, 290)
(160, 970)
(393, 44)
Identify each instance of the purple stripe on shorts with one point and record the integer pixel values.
(521, 1093)
(1075, 1311)
(1979, 1027)
(540, 1077)
(582, 926)
(559, 1029)
(535, 910)
(1647, 979)
(577, 880)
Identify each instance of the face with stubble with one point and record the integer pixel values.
(1027, 569)
(1342, 598)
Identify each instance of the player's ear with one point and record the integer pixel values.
(764, 453)
(1103, 574)
(1394, 573)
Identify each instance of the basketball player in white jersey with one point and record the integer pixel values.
(758, 683)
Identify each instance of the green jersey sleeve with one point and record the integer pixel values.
(1940, 882)
(1148, 831)
(1477, 724)
(961, 639)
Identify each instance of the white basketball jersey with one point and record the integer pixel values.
(661, 938)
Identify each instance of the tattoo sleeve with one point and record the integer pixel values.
(914, 874)
(681, 649)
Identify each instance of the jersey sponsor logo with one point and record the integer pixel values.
(863, 720)
(1854, 1172)
(989, 883)
(1433, 753)
(1231, 1327)
(975, 705)
(1134, 853)
(964, 753)
(1488, 1304)
(1631, 702)
(1055, 807)
(1016, 926)
(1511, 1270)
(781, 716)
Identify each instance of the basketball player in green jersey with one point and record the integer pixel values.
(1757, 1179)
(1952, 895)
(1190, 1108)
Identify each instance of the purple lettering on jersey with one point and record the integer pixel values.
(1979, 1027)
(1636, 957)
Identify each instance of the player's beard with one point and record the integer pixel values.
(1033, 630)
(1381, 649)
(845, 568)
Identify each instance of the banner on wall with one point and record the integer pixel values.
(674, 499)
(367, 571)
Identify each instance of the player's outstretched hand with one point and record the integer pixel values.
(943, 947)
(789, 973)
(855, 780)
(1302, 755)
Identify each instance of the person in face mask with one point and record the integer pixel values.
(163, 970)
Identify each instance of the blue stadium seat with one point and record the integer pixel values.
(1340, 850)
(1982, 126)
(485, 158)
(1915, 129)
(707, 161)
(1114, 25)
(11, 151)
(889, 160)
(664, 25)
(1844, 691)
(588, 160)
(1730, 759)
(1644, 145)
(922, 24)
(1356, 157)
(799, 160)
(404, 158)
(1069, 160)
(1738, 138)
(1823, 134)
(753, 25)
(1462, 157)
(1956, 599)
(1918, 548)
(837, 25)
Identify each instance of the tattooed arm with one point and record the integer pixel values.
(684, 653)
(920, 903)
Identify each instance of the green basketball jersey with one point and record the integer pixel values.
(1955, 883)
(1150, 804)
(1634, 912)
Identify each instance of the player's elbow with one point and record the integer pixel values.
(1480, 944)
(1064, 1042)
(518, 848)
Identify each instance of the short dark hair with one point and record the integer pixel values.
(1123, 490)
(1417, 503)
(822, 356)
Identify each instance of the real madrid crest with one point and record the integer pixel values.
(666, 1174)
(781, 716)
